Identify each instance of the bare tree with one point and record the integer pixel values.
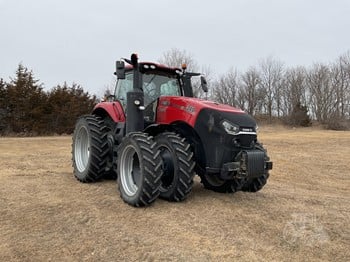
(345, 65)
(271, 74)
(321, 92)
(250, 90)
(340, 81)
(293, 91)
(176, 57)
(225, 89)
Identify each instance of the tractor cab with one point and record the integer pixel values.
(154, 81)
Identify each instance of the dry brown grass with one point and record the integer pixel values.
(301, 214)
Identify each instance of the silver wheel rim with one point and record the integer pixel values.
(82, 149)
(129, 161)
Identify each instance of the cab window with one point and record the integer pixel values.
(153, 85)
(123, 86)
(170, 88)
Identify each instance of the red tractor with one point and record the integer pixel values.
(154, 136)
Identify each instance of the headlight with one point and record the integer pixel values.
(230, 128)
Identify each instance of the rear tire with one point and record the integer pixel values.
(89, 148)
(111, 168)
(139, 169)
(178, 167)
(214, 183)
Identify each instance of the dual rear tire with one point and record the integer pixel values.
(147, 167)
(150, 168)
(177, 165)
(90, 149)
(139, 169)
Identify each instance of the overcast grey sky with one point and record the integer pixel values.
(79, 40)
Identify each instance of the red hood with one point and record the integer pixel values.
(175, 108)
(199, 104)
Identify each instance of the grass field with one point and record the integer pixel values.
(303, 213)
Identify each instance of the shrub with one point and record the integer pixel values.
(299, 116)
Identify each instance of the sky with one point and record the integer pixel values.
(80, 40)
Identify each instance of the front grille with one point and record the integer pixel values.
(246, 140)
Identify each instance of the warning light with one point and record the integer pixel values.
(134, 59)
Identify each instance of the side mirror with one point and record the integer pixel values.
(120, 70)
(204, 84)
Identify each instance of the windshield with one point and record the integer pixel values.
(154, 86)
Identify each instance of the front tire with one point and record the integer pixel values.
(214, 183)
(139, 169)
(178, 166)
(255, 184)
(89, 149)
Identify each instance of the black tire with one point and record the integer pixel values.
(178, 166)
(111, 168)
(89, 148)
(139, 169)
(214, 183)
(255, 184)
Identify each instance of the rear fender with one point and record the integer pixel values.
(112, 109)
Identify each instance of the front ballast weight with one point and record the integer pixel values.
(248, 164)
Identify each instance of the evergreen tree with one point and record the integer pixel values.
(27, 101)
(3, 105)
(299, 116)
(65, 105)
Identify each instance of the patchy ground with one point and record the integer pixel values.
(303, 212)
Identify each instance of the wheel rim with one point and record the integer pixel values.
(82, 149)
(168, 168)
(130, 174)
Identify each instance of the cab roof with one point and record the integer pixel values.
(149, 66)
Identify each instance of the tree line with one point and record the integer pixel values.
(320, 92)
(26, 109)
(269, 90)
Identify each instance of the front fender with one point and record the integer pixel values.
(112, 109)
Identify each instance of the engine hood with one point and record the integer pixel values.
(174, 108)
(199, 104)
